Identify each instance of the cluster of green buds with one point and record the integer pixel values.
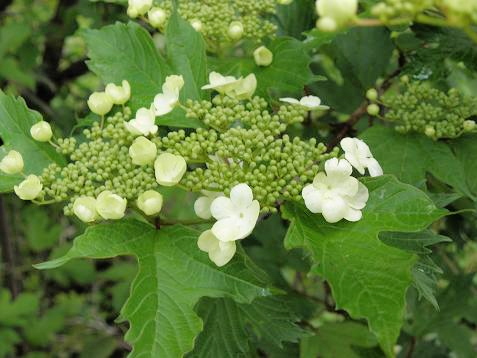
(221, 22)
(424, 109)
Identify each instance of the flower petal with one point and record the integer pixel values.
(222, 208)
(290, 100)
(207, 241)
(223, 254)
(334, 208)
(241, 196)
(358, 201)
(247, 222)
(227, 229)
(202, 207)
(353, 215)
(310, 102)
(313, 198)
(374, 168)
(338, 169)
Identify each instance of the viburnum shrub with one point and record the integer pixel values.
(216, 142)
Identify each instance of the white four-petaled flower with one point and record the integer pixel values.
(166, 101)
(220, 252)
(236, 216)
(143, 124)
(309, 102)
(203, 203)
(359, 155)
(336, 194)
(221, 84)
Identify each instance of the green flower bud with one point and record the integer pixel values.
(29, 189)
(150, 202)
(469, 125)
(373, 109)
(139, 7)
(372, 94)
(12, 163)
(263, 56)
(41, 131)
(84, 208)
(341, 12)
(169, 169)
(100, 103)
(157, 17)
(119, 94)
(196, 24)
(326, 24)
(235, 30)
(142, 151)
(110, 206)
(430, 132)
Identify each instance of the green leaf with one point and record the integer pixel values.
(465, 149)
(368, 278)
(409, 157)
(40, 229)
(362, 55)
(186, 55)
(416, 242)
(19, 311)
(336, 340)
(16, 121)
(230, 327)
(126, 52)
(173, 275)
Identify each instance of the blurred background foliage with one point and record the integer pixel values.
(71, 311)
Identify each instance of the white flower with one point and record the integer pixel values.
(119, 94)
(220, 83)
(84, 208)
(340, 11)
(203, 203)
(41, 131)
(100, 103)
(244, 89)
(150, 202)
(309, 102)
(110, 206)
(166, 101)
(220, 252)
(29, 189)
(138, 7)
(336, 194)
(157, 17)
(235, 30)
(263, 56)
(236, 216)
(358, 154)
(196, 24)
(12, 163)
(169, 169)
(142, 151)
(144, 123)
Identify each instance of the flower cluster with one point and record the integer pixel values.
(421, 108)
(335, 14)
(219, 21)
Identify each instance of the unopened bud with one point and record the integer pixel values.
(41, 131)
(263, 56)
(150, 202)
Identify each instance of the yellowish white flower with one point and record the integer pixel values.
(336, 194)
(12, 163)
(263, 56)
(203, 203)
(220, 252)
(110, 205)
(29, 189)
(138, 7)
(338, 12)
(142, 151)
(221, 84)
(236, 216)
(41, 131)
(84, 208)
(196, 24)
(157, 17)
(166, 101)
(150, 202)
(359, 155)
(235, 30)
(245, 88)
(100, 103)
(469, 125)
(119, 94)
(143, 123)
(169, 169)
(309, 102)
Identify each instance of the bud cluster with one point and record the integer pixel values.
(244, 142)
(421, 108)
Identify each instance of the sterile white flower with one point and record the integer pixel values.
(138, 7)
(169, 169)
(220, 252)
(12, 163)
(336, 194)
(220, 83)
(144, 123)
(309, 102)
(359, 155)
(245, 88)
(203, 203)
(340, 11)
(29, 189)
(142, 151)
(41, 131)
(236, 216)
(100, 103)
(119, 94)
(263, 56)
(84, 208)
(150, 202)
(157, 17)
(110, 205)
(235, 30)
(196, 24)
(166, 101)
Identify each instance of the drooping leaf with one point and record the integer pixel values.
(172, 276)
(409, 157)
(465, 149)
(16, 121)
(368, 278)
(416, 242)
(230, 327)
